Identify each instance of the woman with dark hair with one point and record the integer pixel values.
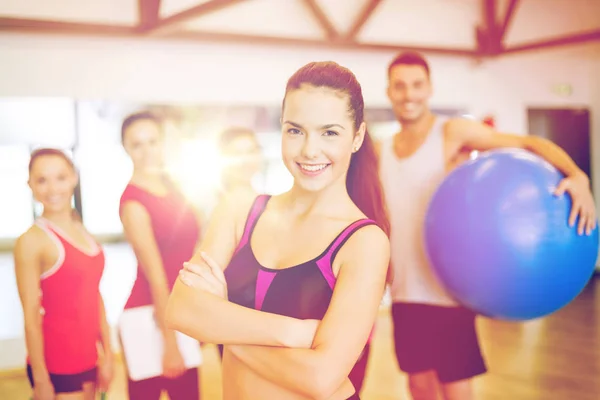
(305, 270)
(163, 230)
(241, 154)
(58, 267)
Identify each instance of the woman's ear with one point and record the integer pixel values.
(359, 137)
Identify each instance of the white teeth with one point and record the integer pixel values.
(409, 106)
(313, 168)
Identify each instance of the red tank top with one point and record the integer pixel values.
(70, 301)
(176, 232)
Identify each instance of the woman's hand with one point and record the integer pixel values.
(207, 276)
(105, 373)
(173, 362)
(43, 390)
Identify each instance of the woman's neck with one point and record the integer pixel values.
(146, 177)
(301, 202)
(60, 218)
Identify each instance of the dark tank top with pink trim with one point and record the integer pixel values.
(303, 291)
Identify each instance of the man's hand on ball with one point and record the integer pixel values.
(578, 186)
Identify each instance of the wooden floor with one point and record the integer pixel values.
(554, 358)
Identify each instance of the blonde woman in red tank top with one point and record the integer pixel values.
(58, 268)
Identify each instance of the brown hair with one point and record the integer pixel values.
(139, 116)
(409, 58)
(362, 182)
(49, 152)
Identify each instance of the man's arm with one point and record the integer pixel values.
(474, 135)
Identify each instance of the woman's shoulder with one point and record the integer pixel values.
(365, 236)
(33, 240)
(130, 192)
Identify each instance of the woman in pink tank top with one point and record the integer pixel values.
(163, 230)
(58, 268)
(304, 271)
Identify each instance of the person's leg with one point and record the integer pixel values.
(415, 342)
(357, 375)
(88, 380)
(424, 385)
(89, 391)
(461, 359)
(147, 389)
(458, 390)
(185, 387)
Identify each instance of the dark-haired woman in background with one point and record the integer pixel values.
(241, 154)
(163, 230)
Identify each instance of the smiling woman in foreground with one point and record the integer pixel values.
(305, 270)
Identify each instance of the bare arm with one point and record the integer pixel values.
(104, 332)
(475, 135)
(105, 370)
(139, 233)
(478, 136)
(28, 270)
(318, 372)
(212, 319)
(201, 222)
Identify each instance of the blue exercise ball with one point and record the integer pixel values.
(499, 240)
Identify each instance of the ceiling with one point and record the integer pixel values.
(470, 28)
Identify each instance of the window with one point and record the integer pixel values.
(16, 202)
(104, 167)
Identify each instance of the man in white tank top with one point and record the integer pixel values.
(435, 338)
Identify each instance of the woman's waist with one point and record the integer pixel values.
(242, 383)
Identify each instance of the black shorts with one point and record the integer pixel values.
(443, 339)
(67, 383)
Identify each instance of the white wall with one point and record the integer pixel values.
(185, 72)
(147, 71)
(118, 69)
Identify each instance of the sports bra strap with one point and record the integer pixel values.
(346, 233)
(325, 262)
(256, 210)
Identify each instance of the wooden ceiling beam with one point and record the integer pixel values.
(171, 23)
(487, 33)
(337, 44)
(580, 38)
(324, 21)
(508, 16)
(149, 13)
(79, 29)
(362, 19)
(22, 25)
